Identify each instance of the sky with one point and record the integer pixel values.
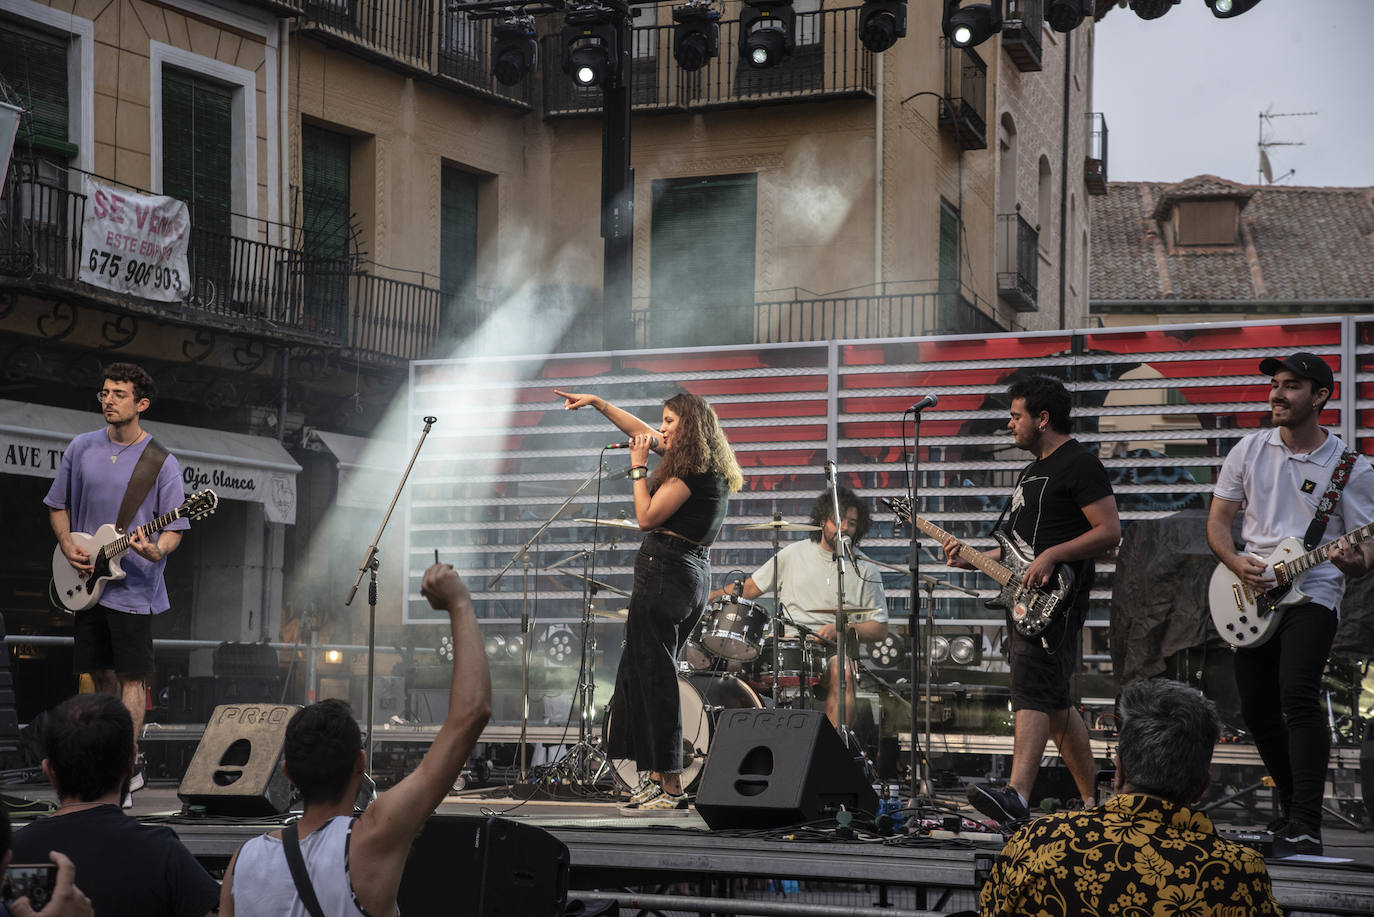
(1182, 94)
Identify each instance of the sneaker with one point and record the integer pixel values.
(127, 802)
(648, 789)
(138, 779)
(1001, 804)
(1297, 840)
(662, 804)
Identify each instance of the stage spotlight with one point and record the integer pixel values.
(966, 649)
(973, 24)
(1065, 15)
(499, 647)
(333, 656)
(514, 51)
(766, 32)
(881, 23)
(939, 648)
(696, 35)
(591, 47)
(560, 646)
(1152, 9)
(889, 653)
(445, 649)
(1226, 9)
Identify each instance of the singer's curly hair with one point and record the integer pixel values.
(699, 445)
(822, 512)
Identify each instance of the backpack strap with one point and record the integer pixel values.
(291, 844)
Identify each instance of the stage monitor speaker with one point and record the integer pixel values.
(496, 867)
(236, 769)
(770, 768)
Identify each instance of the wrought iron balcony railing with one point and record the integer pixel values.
(1021, 33)
(964, 113)
(1095, 159)
(243, 284)
(1018, 262)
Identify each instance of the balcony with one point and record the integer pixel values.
(1095, 159)
(237, 285)
(1018, 262)
(806, 317)
(828, 62)
(1021, 28)
(963, 114)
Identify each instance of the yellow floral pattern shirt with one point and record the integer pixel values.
(1134, 856)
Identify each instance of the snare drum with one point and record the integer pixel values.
(694, 656)
(801, 661)
(702, 698)
(733, 627)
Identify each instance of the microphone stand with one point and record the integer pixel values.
(369, 567)
(920, 776)
(841, 619)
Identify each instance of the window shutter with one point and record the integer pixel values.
(34, 63)
(325, 217)
(197, 140)
(458, 252)
(702, 260)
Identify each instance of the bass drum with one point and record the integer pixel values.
(702, 697)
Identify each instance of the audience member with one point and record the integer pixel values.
(354, 863)
(66, 899)
(1144, 851)
(126, 867)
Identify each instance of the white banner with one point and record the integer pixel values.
(135, 243)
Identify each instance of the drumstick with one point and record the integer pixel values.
(436, 555)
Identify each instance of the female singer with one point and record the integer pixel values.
(681, 507)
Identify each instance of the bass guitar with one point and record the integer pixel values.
(78, 591)
(1247, 617)
(1032, 609)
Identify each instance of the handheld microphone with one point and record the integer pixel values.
(830, 472)
(653, 444)
(927, 401)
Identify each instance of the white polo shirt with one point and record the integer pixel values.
(1281, 489)
(807, 571)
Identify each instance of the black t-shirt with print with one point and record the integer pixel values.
(1047, 504)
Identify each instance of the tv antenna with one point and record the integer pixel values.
(1266, 170)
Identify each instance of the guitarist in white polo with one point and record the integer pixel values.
(1280, 476)
(114, 639)
(1062, 511)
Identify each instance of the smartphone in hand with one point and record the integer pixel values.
(34, 880)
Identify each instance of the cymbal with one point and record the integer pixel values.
(596, 584)
(611, 523)
(601, 611)
(778, 525)
(852, 611)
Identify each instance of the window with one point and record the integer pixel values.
(1207, 222)
(949, 265)
(324, 218)
(702, 260)
(34, 63)
(458, 252)
(1006, 166)
(1045, 194)
(197, 149)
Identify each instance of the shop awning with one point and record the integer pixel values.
(369, 469)
(235, 466)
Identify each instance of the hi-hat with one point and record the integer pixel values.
(611, 523)
(602, 611)
(596, 584)
(852, 611)
(778, 525)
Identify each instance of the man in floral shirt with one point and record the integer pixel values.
(1144, 853)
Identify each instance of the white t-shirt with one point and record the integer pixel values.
(1281, 489)
(807, 572)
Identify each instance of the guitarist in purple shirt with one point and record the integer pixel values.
(1279, 476)
(114, 639)
(1063, 512)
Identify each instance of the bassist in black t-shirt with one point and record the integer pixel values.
(1063, 512)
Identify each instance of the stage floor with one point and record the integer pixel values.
(612, 852)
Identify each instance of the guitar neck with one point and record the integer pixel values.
(121, 544)
(980, 560)
(1304, 562)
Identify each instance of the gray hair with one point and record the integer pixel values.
(1168, 732)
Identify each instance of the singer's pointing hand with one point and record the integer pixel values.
(572, 400)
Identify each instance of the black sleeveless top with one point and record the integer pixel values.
(700, 516)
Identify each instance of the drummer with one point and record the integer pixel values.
(806, 570)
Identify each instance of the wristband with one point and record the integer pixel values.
(638, 473)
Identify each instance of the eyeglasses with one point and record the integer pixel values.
(103, 396)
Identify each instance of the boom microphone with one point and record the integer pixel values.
(927, 401)
(653, 444)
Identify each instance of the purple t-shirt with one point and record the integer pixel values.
(96, 486)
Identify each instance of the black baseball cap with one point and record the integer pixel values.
(1304, 364)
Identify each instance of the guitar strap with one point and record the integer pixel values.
(1327, 504)
(140, 483)
(1007, 505)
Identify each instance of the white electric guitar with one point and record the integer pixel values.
(77, 591)
(1247, 617)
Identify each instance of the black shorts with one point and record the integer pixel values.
(1042, 667)
(117, 640)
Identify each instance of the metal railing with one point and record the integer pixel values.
(1018, 262)
(814, 318)
(398, 29)
(1021, 30)
(1095, 157)
(827, 61)
(243, 281)
(966, 90)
